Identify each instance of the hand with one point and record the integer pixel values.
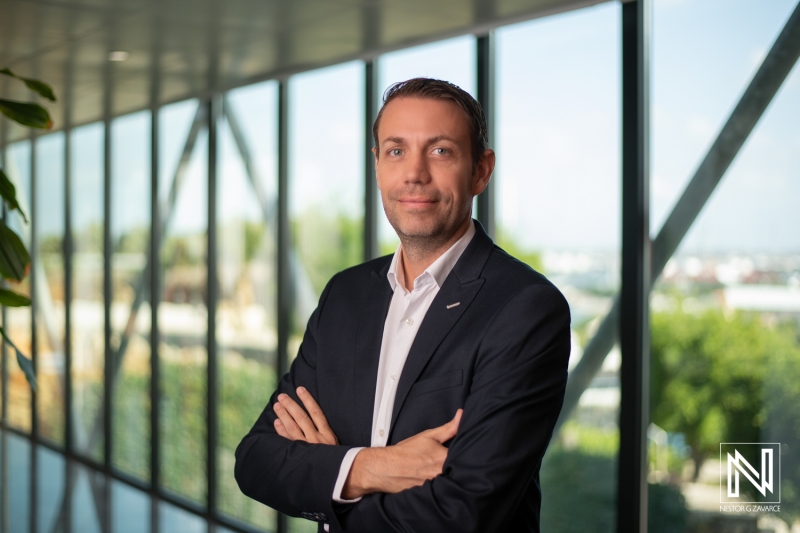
(407, 464)
(294, 424)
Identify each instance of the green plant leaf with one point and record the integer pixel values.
(14, 258)
(31, 115)
(9, 194)
(39, 87)
(13, 299)
(24, 363)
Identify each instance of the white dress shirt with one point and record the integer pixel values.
(406, 312)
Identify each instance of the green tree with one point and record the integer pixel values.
(707, 376)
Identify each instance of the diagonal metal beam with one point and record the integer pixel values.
(762, 89)
(164, 217)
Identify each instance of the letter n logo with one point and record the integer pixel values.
(736, 472)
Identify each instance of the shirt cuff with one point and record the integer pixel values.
(344, 471)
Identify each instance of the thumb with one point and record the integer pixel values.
(446, 431)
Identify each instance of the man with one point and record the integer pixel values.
(428, 383)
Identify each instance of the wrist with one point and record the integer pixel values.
(362, 480)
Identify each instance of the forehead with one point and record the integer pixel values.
(429, 117)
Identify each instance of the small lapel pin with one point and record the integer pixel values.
(453, 305)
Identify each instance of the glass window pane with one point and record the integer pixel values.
(558, 167)
(18, 319)
(173, 518)
(18, 484)
(86, 184)
(86, 497)
(452, 60)
(50, 472)
(130, 510)
(326, 180)
(725, 312)
(49, 294)
(246, 319)
(182, 312)
(130, 299)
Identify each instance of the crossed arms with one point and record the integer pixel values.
(476, 484)
(388, 470)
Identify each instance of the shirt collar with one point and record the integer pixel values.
(439, 269)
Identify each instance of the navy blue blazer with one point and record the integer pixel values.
(501, 354)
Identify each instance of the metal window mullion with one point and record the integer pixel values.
(285, 288)
(485, 88)
(155, 297)
(108, 356)
(69, 435)
(214, 112)
(34, 255)
(634, 294)
(371, 210)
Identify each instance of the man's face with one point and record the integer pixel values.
(424, 168)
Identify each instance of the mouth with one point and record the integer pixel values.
(417, 202)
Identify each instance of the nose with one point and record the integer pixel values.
(417, 171)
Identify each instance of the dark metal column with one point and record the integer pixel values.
(34, 254)
(214, 113)
(155, 297)
(104, 492)
(371, 206)
(634, 306)
(285, 288)
(485, 74)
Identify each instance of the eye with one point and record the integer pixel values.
(395, 151)
(441, 151)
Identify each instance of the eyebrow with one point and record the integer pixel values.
(400, 140)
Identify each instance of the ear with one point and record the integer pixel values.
(483, 172)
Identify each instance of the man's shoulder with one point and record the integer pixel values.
(504, 268)
(357, 276)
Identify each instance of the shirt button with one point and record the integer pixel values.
(381, 432)
(409, 321)
(394, 377)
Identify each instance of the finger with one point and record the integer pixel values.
(317, 416)
(291, 427)
(446, 431)
(300, 417)
(280, 429)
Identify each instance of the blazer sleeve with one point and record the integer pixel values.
(508, 419)
(294, 477)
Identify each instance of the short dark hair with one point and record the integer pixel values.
(441, 90)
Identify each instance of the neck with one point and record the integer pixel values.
(419, 254)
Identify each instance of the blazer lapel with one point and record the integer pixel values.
(368, 348)
(460, 286)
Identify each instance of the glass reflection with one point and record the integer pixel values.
(182, 313)
(87, 335)
(49, 294)
(18, 319)
(558, 167)
(725, 312)
(130, 308)
(50, 471)
(326, 180)
(246, 319)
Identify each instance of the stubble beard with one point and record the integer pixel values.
(419, 243)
